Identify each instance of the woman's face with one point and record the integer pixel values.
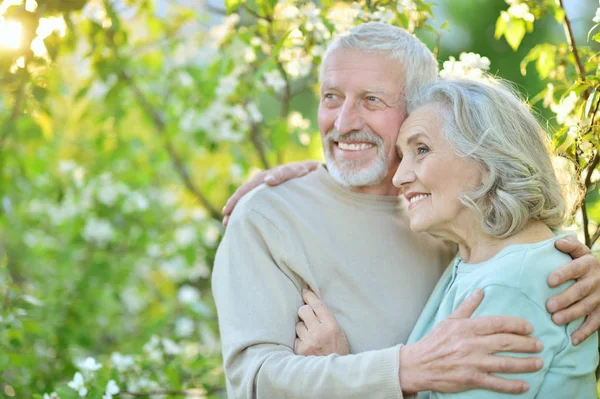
(432, 176)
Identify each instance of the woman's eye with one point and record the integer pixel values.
(422, 150)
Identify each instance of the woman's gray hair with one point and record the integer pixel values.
(414, 58)
(486, 121)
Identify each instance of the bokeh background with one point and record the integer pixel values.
(126, 124)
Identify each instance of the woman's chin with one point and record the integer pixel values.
(417, 226)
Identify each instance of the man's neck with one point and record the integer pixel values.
(385, 188)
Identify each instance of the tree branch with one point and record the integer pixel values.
(595, 237)
(256, 139)
(587, 182)
(572, 43)
(215, 10)
(176, 160)
(189, 392)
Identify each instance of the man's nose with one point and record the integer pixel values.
(349, 118)
(404, 176)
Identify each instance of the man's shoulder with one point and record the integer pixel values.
(273, 200)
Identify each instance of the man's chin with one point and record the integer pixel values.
(364, 175)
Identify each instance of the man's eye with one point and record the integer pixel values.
(373, 99)
(329, 96)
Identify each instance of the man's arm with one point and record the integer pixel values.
(459, 354)
(581, 300)
(257, 297)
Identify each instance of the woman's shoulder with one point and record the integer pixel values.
(526, 267)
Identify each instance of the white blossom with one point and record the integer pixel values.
(254, 112)
(170, 347)
(89, 364)
(188, 294)
(53, 395)
(184, 327)
(227, 85)
(474, 60)
(274, 80)
(121, 362)
(296, 121)
(596, 18)
(469, 65)
(111, 389)
(343, 16)
(133, 301)
(152, 349)
(78, 384)
(32, 300)
(199, 270)
(239, 114)
(136, 201)
(108, 190)
(66, 166)
(98, 231)
(383, 15)
(285, 11)
(296, 61)
(249, 54)
(175, 268)
(185, 79)
(185, 236)
(226, 132)
(521, 11)
(564, 109)
(211, 235)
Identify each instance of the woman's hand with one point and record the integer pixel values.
(272, 177)
(318, 332)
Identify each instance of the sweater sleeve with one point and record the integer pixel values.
(258, 294)
(568, 371)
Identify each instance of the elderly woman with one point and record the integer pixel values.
(476, 169)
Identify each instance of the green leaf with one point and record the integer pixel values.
(280, 135)
(233, 5)
(515, 32)
(590, 101)
(501, 25)
(546, 61)
(559, 14)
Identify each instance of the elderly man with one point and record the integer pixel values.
(343, 232)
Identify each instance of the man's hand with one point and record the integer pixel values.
(272, 177)
(458, 354)
(318, 332)
(582, 299)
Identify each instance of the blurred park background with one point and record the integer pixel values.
(126, 124)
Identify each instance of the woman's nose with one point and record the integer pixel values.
(404, 175)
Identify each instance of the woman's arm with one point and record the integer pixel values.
(457, 355)
(580, 300)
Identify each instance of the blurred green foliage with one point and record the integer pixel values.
(125, 125)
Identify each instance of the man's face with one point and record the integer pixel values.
(360, 113)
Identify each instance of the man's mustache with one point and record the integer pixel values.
(364, 136)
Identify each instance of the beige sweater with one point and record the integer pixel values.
(356, 252)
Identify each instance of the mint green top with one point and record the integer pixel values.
(514, 283)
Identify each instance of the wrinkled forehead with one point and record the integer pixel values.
(354, 66)
(428, 120)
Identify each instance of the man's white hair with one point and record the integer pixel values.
(485, 120)
(414, 58)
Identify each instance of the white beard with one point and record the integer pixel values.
(354, 173)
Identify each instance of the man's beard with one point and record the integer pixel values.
(356, 173)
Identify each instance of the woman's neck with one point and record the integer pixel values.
(475, 246)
